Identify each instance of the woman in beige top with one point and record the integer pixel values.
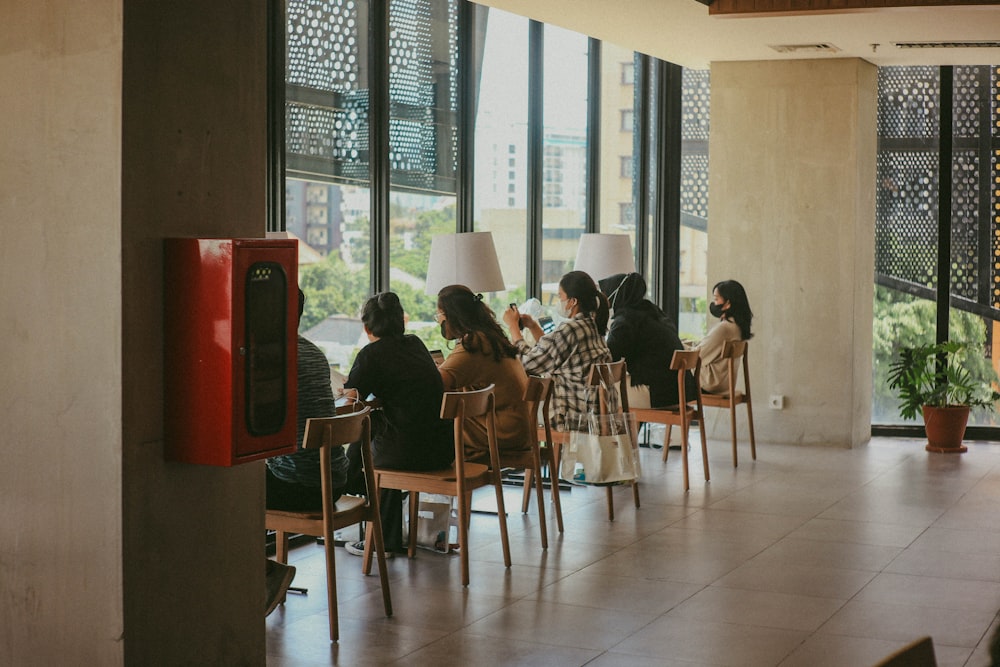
(483, 356)
(730, 305)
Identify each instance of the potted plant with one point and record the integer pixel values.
(936, 381)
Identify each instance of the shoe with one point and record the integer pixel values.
(358, 549)
(277, 580)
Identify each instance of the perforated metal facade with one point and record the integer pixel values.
(908, 184)
(326, 132)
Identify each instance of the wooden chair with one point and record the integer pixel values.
(609, 375)
(538, 392)
(549, 454)
(687, 410)
(733, 351)
(325, 433)
(461, 478)
(916, 654)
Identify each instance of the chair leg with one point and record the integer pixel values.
(732, 429)
(502, 516)
(372, 535)
(753, 443)
(331, 582)
(666, 441)
(635, 492)
(463, 536)
(684, 454)
(281, 546)
(526, 494)
(540, 492)
(554, 485)
(611, 504)
(411, 548)
(704, 445)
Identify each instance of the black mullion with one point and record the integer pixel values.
(985, 176)
(944, 202)
(276, 25)
(593, 187)
(465, 170)
(641, 150)
(536, 54)
(378, 142)
(668, 193)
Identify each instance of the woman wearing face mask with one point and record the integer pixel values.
(645, 338)
(730, 305)
(483, 356)
(568, 352)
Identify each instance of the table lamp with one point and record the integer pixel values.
(467, 258)
(603, 255)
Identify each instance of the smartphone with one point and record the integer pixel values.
(519, 324)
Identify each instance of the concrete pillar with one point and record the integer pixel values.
(791, 216)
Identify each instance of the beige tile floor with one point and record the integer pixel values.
(808, 557)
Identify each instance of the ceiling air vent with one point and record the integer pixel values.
(804, 48)
(948, 45)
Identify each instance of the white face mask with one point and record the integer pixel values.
(561, 310)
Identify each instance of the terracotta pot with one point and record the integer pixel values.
(945, 428)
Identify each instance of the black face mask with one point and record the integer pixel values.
(715, 309)
(443, 334)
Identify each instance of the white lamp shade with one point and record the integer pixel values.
(603, 255)
(469, 259)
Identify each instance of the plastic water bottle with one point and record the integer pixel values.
(579, 474)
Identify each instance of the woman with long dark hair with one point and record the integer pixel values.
(483, 356)
(568, 352)
(731, 306)
(408, 432)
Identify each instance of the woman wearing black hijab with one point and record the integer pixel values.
(645, 337)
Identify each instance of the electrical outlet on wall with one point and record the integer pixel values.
(777, 402)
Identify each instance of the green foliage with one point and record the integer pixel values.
(902, 321)
(938, 375)
(331, 288)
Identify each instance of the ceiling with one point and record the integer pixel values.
(682, 32)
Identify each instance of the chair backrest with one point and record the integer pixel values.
(684, 362)
(325, 432)
(457, 406)
(604, 375)
(919, 653)
(539, 393)
(733, 351)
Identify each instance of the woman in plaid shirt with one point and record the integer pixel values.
(567, 353)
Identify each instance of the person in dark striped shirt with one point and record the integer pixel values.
(293, 480)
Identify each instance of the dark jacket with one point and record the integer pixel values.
(645, 337)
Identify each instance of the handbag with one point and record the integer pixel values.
(606, 449)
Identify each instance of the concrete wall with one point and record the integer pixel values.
(123, 124)
(791, 216)
(60, 323)
(194, 147)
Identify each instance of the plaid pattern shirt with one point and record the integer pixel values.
(566, 355)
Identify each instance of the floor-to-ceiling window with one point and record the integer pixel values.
(564, 153)
(564, 134)
(327, 197)
(423, 118)
(908, 225)
(693, 281)
(501, 146)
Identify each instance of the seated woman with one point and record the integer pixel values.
(408, 431)
(568, 352)
(730, 305)
(482, 357)
(645, 338)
